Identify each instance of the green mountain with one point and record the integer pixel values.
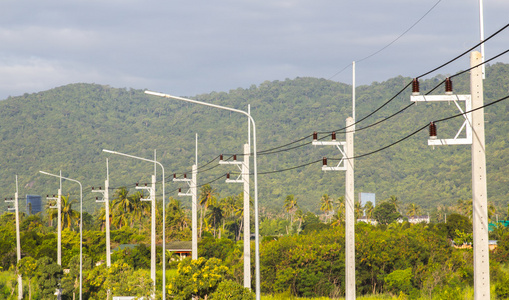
(66, 128)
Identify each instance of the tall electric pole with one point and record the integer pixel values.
(18, 242)
(106, 200)
(244, 179)
(479, 188)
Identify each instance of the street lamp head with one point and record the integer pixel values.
(109, 151)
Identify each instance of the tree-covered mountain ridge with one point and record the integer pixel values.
(66, 128)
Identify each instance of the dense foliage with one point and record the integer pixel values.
(66, 129)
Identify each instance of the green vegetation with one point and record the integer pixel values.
(66, 129)
(302, 253)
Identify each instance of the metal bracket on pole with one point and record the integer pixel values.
(341, 166)
(10, 201)
(467, 124)
(103, 192)
(186, 180)
(52, 198)
(239, 178)
(150, 191)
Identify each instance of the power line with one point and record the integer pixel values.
(386, 46)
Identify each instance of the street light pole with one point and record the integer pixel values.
(81, 224)
(164, 213)
(257, 244)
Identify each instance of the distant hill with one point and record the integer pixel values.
(66, 128)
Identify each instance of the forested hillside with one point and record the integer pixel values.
(66, 129)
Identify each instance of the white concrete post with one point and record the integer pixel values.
(194, 213)
(479, 189)
(247, 226)
(349, 215)
(59, 225)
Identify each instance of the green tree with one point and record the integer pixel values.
(413, 210)
(69, 215)
(48, 277)
(207, 197)
(230, 290)
(368, 209)
(326, 205)
(290, 207)
(177, 221)
(385, 213)
(122, 206)
(27, 267)
(197, 278)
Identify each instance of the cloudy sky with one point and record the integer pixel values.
(192, 47)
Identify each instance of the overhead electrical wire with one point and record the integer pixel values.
(389, 44)
(271, 150)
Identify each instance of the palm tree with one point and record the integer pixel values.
(340, 209)
(138, 208)
(122, 206)
(69, 215)
(290, 206)
(122, 200)
(368, 209)
(300, 217)
(413, 210)
(326, 205)
(358, 209)
(176, 219)
(207, 197)
(214, 216)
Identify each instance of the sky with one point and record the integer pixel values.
(194, 47)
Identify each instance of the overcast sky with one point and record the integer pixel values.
(193, 47)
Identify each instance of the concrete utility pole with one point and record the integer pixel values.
(193, 193)
(152, 199)
(244, 178)
(194, 212)
(349, 214)
(18, 243)
(106, 201)
(247, 225)
(474, 135)
(479, 188)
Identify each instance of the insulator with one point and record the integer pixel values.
(93, 188)
(180, 190)
(145, 184)
(333, 135)
(136, 184)
(174, 175)
(5, 198)
(234, 157)
(315, 136)
(227, 175)
(220, 157)
(415, 86)
(96, 198)
(53, 196)
(448, 86)
(100, 187)
(432, 130)
(324, 161)
(185, 175)
(47, 196)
